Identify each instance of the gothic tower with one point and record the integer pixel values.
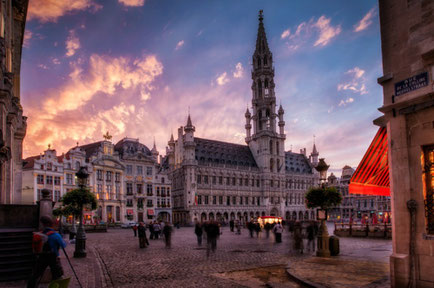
(266, 143)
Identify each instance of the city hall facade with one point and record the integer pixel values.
(222, 181)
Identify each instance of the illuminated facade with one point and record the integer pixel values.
(218, 180)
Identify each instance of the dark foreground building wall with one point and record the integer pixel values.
(407, 36)
(12, 122)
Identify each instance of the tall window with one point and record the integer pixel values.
(139, 189)
(56, 195)
(199, 200)
(221, 200)
(99, 175)
(205, 179)
(129, 170)
(108, 176)
(129, 188)
(149, 171)
(57, 180)
(220, 180)
(214, 200)
(149, 189)
(428, 186)
(139, 170)
(118, 192)
(49, 179)
(69, 179)
(40, 179)
(206, 200)
(118, 177)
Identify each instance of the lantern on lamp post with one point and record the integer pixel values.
(80, 240)
(323, 234)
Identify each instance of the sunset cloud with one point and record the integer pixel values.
(346, 101)
(27, 36)
(222, 79)
(76, 119)
(51, 10)
(179, 45)
(285, 34)
(366, 21)
(132, 3)
(354, 81)
(326, 31)
(72, 44)
(239, 70)
(321, 30)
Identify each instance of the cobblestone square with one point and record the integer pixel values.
(235, 263)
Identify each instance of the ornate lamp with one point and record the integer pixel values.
(80, 240)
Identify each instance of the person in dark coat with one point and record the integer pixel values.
(251, 227)
(311, 234)
(198, 230)
(267, 228)
(232, 224)
(257, 228)
(167, 232)
(278, 229)
(143, 241)
(151, 230)
(212, 231)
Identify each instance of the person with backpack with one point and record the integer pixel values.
(46, 245)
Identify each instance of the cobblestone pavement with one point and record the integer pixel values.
(234, 264)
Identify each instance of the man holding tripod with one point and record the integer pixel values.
(46, 246)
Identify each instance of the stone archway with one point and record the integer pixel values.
(219, 216)
(287, 215)
(233, 215)
(312, 215)
(225, 216)
(294, 215)
(203, 216)
(300, 215)
(211, 216)
(274, 212)
(306, 215)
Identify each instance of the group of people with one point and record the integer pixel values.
(300, 231)
(155, 229)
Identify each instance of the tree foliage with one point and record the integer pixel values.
(74, 201)
(324, 198)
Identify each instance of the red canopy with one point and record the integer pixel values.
(372, 174)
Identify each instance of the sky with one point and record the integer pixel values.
(136, 67)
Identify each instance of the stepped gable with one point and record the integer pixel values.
(217, 152)
(128, 146)
(297, 163)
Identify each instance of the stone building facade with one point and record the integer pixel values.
(128, 181)
(407, 38)
(218, 180)
(359, 207)
(12, 122)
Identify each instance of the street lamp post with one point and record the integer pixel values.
(323, 234)
(80, 240)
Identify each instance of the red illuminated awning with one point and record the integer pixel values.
(372, 174)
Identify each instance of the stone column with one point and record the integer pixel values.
(45, 205)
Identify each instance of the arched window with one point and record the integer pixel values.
(277, 148)
(271, 165)
(259, 88)
(271, 146)
(265, 61)
(267, 113)
(259, 62)
(77, 165)
(266, 84)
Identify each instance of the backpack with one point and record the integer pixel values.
(40, 242)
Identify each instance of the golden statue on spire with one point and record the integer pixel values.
(107, 136)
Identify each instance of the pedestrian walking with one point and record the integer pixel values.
(143, 241)
(238, 226)
(46, 245)
(167, 232)
(257, 229)
(251, 227)
(157, 230)
(267, 228)
(151, 230)
(212, 233)
(278, 229)
(231, 225)
(298, 238)
(311, 235)
(198, 230)
(135, 230)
